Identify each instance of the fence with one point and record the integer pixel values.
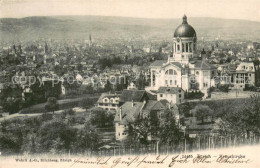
(198, 143)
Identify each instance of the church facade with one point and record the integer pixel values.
(183, 68)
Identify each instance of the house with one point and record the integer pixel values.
(171, 94)
(243, 75)
(126, 114)
(108, 101)
(130, 111)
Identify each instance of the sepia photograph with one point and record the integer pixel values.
(129, 83)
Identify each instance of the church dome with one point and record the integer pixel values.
(184, 30)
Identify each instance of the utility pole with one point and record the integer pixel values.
(157, 148)
(184, 141)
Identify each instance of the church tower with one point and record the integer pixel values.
(184, 43)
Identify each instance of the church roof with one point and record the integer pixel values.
(204, 65)
(158, 63)
(184, 30)
(174, 63)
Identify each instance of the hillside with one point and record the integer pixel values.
(106, 27)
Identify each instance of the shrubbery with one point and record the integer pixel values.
(193, 95)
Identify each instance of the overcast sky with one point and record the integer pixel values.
(231, 9)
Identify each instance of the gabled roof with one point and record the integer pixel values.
(174, 63)
(203, 65)
(171, 90)
(151, 96)
(132, 95)
(129, 112)
(158, 63)
(154, 105)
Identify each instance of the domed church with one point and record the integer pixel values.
(183, 69)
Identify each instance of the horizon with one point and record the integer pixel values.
(129, 17)
(163, 9)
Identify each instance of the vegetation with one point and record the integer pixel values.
(193, 95)
(46, 134)
(202, 112)
(101, 118)
(51, 104)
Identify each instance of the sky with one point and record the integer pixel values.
(228, 9)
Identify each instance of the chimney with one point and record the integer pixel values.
(120, 113)
(132, 103)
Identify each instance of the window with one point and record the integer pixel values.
(187, 47)
(175, 82)
(170, 72)
(161, 95)
(166, 82)
(178, 47)
(179, 95)
(183, 47)
(170, 82)
(190, 47)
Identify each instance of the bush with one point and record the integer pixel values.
(223, 88)
(250, 88)
(193, 95)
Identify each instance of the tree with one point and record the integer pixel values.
(141, 130)
(246, 119)
(169, 131)
(11, 98)
(51, 104)
(87, 103)
(55, 136)
(108, 86)
(101, 118)
(87, 139)
(202, 112)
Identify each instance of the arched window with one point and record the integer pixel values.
(178, 47)
(171, 72)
